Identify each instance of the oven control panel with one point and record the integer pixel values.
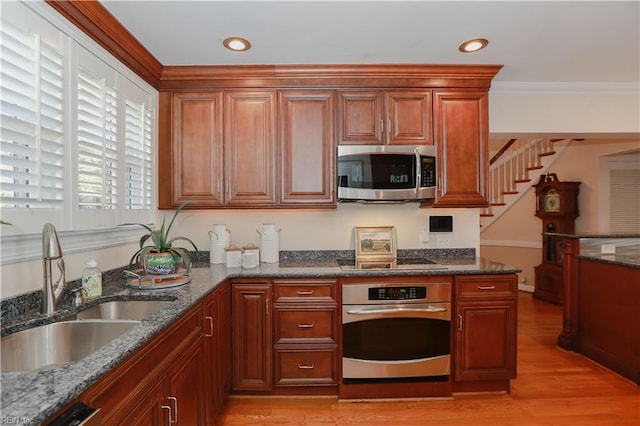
(398, 293)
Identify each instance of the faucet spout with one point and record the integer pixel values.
(51, 254)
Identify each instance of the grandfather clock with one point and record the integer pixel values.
(557, 206)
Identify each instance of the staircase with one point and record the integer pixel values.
(512, 171)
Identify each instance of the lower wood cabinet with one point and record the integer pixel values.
(305, 333)
(159, 384)
(287, 342)
(217, 350)
(485, 330)
(252, 356)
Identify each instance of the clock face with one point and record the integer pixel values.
(551, 201)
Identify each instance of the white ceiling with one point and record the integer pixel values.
(536, 41)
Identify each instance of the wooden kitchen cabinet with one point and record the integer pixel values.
(217, 350)
(307, 148)
(167, 372)
(485, 331)
(398, 117)
(250, 155)
(305, 334)
(461, 134)
(196, 147)
(252, 336)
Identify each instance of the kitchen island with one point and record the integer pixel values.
(39, 395)
(602, 297)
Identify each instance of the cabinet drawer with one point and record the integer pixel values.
(305, 291)
(486, 287)
(311, 326)
(296, 367)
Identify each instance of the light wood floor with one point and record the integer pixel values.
(554, 387)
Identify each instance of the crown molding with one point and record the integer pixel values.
(578, 88)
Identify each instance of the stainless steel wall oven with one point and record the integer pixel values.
(393, 330)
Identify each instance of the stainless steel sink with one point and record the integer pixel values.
(58, 344)
(124, 310)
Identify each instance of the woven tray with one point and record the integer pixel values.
(140, 280)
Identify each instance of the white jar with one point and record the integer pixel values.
(234, 256)
(269, 244)
(251, 249)
(219, 238)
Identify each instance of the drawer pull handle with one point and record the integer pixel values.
(486, 287)
(306, 367)
(305, 292)
(306, 325)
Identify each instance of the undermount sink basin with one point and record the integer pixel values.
(124, 310)
(57, 344)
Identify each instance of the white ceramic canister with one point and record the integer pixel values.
(251, 249)
(234, 256)
(219, 237)
(269, 243)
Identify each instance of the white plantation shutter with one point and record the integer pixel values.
(32, 114)
(77, 136)
(97, 142)
(625, 200)
(138, 159)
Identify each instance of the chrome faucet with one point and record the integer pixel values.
(51, 253)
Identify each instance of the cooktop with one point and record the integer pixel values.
(407, 263)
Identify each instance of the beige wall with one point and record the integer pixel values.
(515, 238)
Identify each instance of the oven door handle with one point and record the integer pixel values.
(392, 310)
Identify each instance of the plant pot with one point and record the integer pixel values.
(160, 263)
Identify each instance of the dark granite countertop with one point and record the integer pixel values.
(32, 397)
(630, 261)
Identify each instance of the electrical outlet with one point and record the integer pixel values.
(608, 249)
(443, 241)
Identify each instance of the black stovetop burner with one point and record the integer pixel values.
(408, 263)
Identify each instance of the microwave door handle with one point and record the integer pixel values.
(418, 172)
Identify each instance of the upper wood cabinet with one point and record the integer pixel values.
(461, 136)
(196, 149)
(402, 117)
(306, 148)
(250, 148)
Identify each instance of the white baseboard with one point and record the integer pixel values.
(525, 287)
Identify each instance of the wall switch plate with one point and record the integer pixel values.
(608, 248)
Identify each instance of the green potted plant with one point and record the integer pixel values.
(157, 254)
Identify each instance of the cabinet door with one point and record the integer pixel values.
(217, 351)
(461, 135)
(307, 148)
(485, 340)
(250, 150)
(150, 410)
(252, 339)
(361, 118)
(185, 386)
(196, 149)
(409, 118)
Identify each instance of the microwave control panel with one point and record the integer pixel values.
(427, 171)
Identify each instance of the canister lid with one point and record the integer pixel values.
(250, 246)
(233, 248)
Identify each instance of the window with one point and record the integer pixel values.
(77, 133)
(625, 200)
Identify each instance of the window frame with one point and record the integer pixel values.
(20, 244)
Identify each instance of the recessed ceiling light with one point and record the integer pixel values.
(473, 45)
(237, 44)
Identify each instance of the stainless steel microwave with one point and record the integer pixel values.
(386, 173)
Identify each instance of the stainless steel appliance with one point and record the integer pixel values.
(385, 173)
(394, 330)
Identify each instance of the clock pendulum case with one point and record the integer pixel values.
(557, 206)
